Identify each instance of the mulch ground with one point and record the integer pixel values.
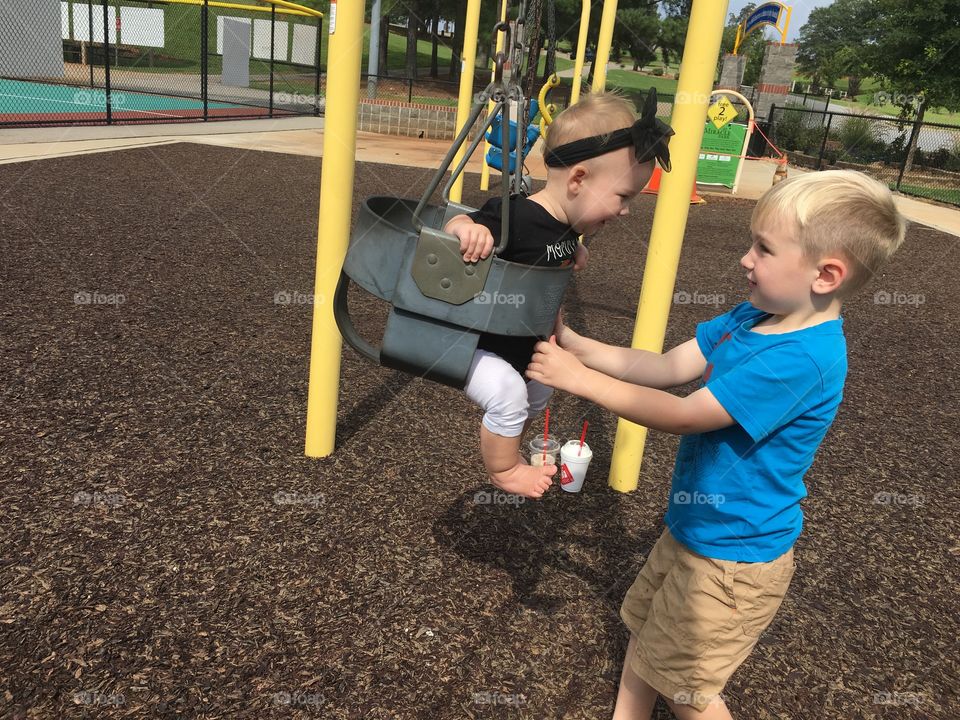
(169, 551)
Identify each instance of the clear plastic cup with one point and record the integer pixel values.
(543, 453)
(574, 462)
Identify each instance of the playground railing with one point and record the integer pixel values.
(914, 158)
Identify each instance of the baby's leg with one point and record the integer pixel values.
(495, 386)
(508, 471)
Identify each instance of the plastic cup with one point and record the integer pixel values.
(573, 465)
(543, 453)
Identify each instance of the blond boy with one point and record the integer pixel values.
(771, 375)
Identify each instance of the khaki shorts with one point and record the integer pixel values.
(697, 619)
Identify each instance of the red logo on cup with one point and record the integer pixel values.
(565, 476)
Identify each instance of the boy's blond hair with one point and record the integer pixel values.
(595, 114)
(838, 211)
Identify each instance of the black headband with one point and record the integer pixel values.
(649, 137)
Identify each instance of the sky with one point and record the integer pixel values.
(801, 10)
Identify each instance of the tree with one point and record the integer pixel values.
(831, 42)
(637, 31)
(673, 33)
(914, 50)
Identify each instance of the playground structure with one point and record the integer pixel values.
(694, 87)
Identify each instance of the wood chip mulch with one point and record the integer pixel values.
(169, 552)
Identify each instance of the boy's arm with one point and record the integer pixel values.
(679, 366)
(698, 412)
(476, 241)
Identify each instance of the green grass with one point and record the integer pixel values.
(944, 195)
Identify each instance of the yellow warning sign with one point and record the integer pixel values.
(721, 112)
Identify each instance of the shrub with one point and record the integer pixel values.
(860, 140)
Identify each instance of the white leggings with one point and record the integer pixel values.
(506, 397)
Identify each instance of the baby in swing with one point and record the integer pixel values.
(599, 156)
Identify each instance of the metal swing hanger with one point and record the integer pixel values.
(502, 93)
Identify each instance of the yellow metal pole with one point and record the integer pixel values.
(697, 70)
(336, 200)
(577, 78)
(607, 21)
(485, 170)
(467, 63)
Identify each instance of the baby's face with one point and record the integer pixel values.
(612, 182)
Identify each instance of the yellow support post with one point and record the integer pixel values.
(577, 78)
(697, 71)
(485, 170)
(607, 21)
(333, 237)
(467, 62)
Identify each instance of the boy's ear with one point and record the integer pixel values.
(832, 271)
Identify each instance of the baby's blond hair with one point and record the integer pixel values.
(595, 114)
(838, 211)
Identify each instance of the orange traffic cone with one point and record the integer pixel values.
(653, 187)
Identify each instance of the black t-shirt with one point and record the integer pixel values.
(535, 238)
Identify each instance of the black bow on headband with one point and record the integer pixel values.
(649, 137)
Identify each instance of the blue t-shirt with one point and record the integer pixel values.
(736, 491)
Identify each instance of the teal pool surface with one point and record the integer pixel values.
(29, 98)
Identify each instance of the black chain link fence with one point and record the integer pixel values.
(127, 61)
(877, 145)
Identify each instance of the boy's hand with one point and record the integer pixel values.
(476, 241)
(555, 367)
(564, 335)
(580, 257)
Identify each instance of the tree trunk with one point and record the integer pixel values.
(912, 149)
(853, 87)
(383, 69)
(412, 24)
(434, 70)
(456, 50)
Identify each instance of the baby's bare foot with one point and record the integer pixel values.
(525, 480)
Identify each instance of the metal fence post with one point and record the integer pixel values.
(823, 143)
(106, 61)
(273, 24)
(90, 40)
(410, 90)
(316, 80)
(204, 62)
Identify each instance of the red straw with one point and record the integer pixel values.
(583, 436)
(546, 430)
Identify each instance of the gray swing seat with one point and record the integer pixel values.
(440, 304)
